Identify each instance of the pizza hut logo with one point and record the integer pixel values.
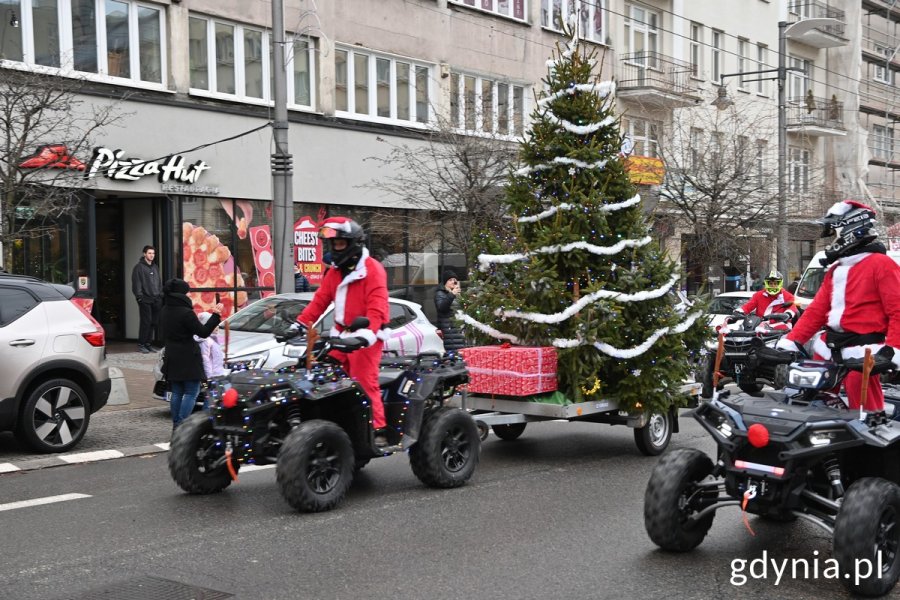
(52, 156)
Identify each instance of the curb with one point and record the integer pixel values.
(81, 458)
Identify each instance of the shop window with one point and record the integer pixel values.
(554, 13)
(479, 104)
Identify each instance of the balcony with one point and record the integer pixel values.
(815, 117)
(828, 36)
(656, 80)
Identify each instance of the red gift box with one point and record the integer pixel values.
(511, 370)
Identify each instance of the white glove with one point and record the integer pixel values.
(786, 345)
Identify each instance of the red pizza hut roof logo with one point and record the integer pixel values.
(52, 156)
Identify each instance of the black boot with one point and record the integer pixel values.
(381, 439)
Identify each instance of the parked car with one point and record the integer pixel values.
(53, 372)
(252, 331)
(725, 304)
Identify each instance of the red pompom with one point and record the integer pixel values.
(758, 435)
(230, 398)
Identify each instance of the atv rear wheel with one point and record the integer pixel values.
(653, 438)
(448, 449)
(196, 459)
(668, 500)
(315, 466)
(868, 529)
(510, 431)
(750, 387)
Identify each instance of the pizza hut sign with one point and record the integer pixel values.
(113, 165)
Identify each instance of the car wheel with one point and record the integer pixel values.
(54, 417)
(448, 449)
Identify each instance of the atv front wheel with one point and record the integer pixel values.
(653, 438)
(315, 466)
(867, 537)
(671, 497)
(448, 449)
(197, 459)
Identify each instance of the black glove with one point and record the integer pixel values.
(349, 344)
(883, 362)
(293, 331)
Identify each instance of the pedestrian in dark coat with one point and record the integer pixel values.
(444, 298)
(146, 285)
(184, 362)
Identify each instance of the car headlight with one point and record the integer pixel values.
(243, 363)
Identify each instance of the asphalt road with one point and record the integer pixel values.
(555, 514)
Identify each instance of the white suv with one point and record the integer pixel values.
(53, 371)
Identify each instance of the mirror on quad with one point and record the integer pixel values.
(359, 323)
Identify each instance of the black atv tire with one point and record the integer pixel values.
(448, 448)
(359, 463)
(653, 438)
(509, 431)
(780, 380)
(868, 525)
(671, 481)
(315, 466)
(707, 377)
(191, 452)
(750, 387)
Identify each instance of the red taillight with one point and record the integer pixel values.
(97, 338)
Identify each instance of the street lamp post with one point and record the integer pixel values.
(282, 161)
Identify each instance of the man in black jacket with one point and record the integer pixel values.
(146, 284)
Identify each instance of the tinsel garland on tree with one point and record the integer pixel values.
(578, 270)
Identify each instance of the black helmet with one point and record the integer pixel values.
(852, 224)
(344, 229)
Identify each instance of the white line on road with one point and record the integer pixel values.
(249, 468)
(90, 456)
(39, 501)
(8, 468)
(162, 446)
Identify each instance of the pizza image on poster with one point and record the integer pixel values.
(208, 263)
(261, 241)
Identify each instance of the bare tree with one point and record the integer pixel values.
(44, 124)
(461, 177)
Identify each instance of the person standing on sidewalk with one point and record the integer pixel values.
(146, 285)
(184, 361)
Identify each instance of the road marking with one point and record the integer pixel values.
(90, 456)
(162, 446)
(8, 468)
(248, 468)
(39, 501)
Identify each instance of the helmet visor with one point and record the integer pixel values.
(328, 233)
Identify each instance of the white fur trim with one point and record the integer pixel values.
(384, 335)
(340, 295)
(334, 332)
(366, 334)
(839, 208)
(860, 351)
(838, 296)
(820, 348)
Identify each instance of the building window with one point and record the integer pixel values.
(642, 35)
(235, 61)
(761, 50)
(696, 149)
(716, 54)
(696, 49)
(479, 104)
(883, 142)
(802, 8)
(508, 8)
(798, 80)
(743, 62)
(592, 26)
(882, 72)
(107, 38)
(761, 146)
(644, 135)
(385, 88)
(798, 170)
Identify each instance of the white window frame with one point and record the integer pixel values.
(588, 7)
(742, 58)
(696, 151)
(240, 65)
(696, 50)
(495, 7)
(761, 149)
(761, 84)
(640, 131)
(883, 142)
(798, 81)
(66, 45)
(459, 93)
(372, 86)
(882, 72)
(798, 167)
(716, 54)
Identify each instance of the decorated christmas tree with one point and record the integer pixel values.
(579, 270)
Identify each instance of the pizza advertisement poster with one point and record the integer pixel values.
(208, 263)
(308, 250)
(261, 241)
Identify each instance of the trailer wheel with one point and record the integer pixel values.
(867, 531)
(669, 500)
(654, 437)
(483, 429)
(509, 431)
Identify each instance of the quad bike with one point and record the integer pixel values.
(740, 339)
(314, 423)
(798, 453)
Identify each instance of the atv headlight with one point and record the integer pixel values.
(805, 379)
(823, 437)
(720, 422)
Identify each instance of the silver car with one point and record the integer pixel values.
(252, 331)
(53, 371)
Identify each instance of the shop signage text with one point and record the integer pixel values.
(112, 165)
(308, 250)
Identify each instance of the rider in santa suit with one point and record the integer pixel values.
(357, 284)
(772, 299)
(858, 303)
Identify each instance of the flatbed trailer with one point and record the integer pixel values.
(508, 416)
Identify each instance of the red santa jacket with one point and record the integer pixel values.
(763, 303)
(363, 292)
(859, 294)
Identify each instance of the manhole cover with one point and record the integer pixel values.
(152, 588)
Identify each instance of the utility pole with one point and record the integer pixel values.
(782, 252)
(282, 162)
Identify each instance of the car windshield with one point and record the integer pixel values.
(725, 305)
(810, 282)
(269, 315)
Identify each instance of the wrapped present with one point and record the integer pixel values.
(511, 370)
